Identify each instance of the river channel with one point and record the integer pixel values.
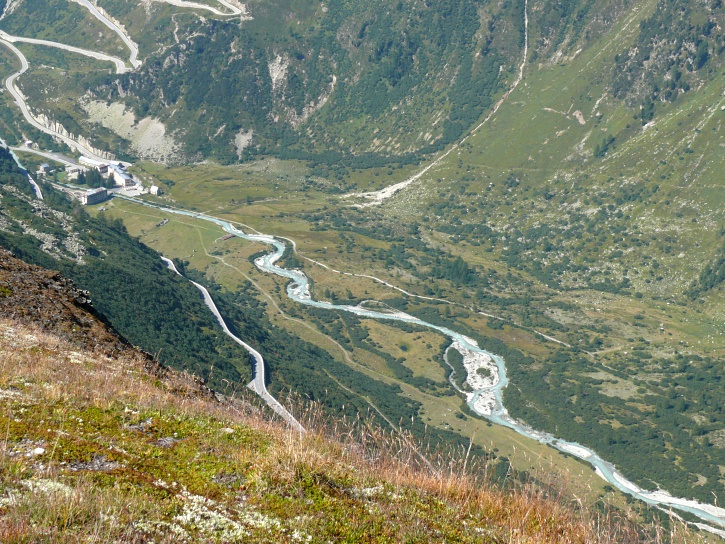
(298, 289)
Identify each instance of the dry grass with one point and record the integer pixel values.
(231, 474)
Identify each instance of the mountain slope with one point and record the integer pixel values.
(97, 448)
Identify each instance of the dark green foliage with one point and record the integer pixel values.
(673, 46)
(11, 174)
(702, 55)
(601, 148)
(711, 277)
(558, 397)
(393, 55)
(93, 179)
(458, 373)
(648, 111)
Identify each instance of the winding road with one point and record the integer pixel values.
(57, 157)
(257, 384)
(99, 14)
(120, 64)
(234, 10)
(20, 101)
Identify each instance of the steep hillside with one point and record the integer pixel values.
(126, 280)
(346, 85)
(101, 445)
(303, 79)
(46, 299)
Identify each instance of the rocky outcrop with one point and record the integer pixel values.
(34, 296)
(46, 298)
(54, 126)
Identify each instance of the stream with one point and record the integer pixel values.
(486, 401)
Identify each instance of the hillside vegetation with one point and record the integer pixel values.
(97, 449)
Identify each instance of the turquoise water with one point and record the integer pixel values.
(298, 290)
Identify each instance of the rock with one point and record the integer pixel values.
(99, 463)
(166, 442)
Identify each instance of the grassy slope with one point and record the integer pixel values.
(111, 453)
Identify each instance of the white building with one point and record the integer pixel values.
(93, 163)
(122, 179)
(94, 196)
(119, 175)
(155, 190)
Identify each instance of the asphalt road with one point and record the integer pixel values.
(257, 384)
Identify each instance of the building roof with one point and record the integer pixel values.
(92, 162)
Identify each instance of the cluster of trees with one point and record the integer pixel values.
(455, 270)
(711, 276)
(93, 178)
(659, 65)
(653, 440)
(458, 372)
(10, 172)
(564, 20)
(602, 147)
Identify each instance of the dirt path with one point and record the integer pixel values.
(233, 10)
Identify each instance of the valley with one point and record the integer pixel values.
(586, 255)
(487, 400)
